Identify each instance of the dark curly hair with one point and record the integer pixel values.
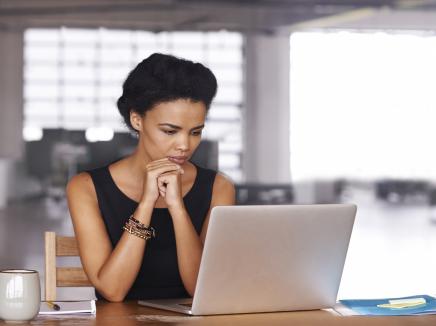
(162, 78)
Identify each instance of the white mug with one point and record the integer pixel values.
(20, 294)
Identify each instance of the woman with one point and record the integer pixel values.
(141, 222)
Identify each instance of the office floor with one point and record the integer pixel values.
(392, 250)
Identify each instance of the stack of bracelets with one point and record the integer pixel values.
(133, 226)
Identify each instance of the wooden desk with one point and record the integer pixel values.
(130, 314)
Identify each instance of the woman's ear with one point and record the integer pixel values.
(136, 120)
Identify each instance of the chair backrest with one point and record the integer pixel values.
(58, 246)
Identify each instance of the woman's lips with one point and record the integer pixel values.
(178, 159)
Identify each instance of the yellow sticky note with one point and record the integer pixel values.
(403, 303)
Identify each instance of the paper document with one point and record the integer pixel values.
(406, 306)
(68, 307)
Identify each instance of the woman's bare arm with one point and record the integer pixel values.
(223, 194)
(112, 271)
(189, 244)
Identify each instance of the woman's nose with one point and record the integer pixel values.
(183, 143)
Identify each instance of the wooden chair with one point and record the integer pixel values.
(58, 246)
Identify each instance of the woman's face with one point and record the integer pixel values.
(171, 129)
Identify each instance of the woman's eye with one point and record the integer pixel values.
(197, 133)
(169, 132)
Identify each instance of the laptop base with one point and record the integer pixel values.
(182, 305)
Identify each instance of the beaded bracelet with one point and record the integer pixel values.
(133, 226)
(144, 233)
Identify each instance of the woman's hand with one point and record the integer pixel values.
(170, 188)
(153, 171)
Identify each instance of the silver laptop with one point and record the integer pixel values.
(269, 258)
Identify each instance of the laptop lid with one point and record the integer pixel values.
(273, 258)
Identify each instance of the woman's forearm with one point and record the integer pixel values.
(189, 248)
(120, 270)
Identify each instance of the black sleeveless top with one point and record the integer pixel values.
(159, 274)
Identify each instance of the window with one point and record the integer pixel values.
(362, 105)
(363, 109)
(73, 78)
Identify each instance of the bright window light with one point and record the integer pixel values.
(73, 78)
(94, 134)
(362, 105)
(31, 133)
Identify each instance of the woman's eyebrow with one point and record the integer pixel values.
(170, 125)
(178, 127)
(198, 127)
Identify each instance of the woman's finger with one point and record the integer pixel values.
(156, 166)
(161, 183)
(158, 162)
(172, 172)
(158, 170)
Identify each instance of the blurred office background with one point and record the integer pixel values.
(319, 101)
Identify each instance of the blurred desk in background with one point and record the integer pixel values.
(61, 153)
(264, 194)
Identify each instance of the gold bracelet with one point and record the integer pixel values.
(138, 225)
(134, 227)
(143, 235)
(135, 233)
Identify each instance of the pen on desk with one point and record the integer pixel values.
(53, 305)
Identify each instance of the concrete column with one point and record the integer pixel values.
(5, 169)
(266, 126)
(11, 104)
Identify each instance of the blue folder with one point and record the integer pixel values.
(370, 306)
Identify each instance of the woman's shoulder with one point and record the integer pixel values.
(223, 182)
(90, 178)
(80, 184)
(220, 180)
(223, 190)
